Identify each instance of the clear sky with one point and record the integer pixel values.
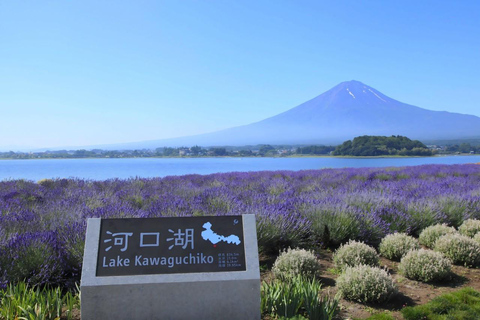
(75, 73)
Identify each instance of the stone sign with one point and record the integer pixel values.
(171, 268)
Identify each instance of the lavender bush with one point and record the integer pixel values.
(293, 209)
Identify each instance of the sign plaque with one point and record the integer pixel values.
(171, 268)
(170, 245)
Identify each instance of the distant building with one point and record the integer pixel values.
(435, 147)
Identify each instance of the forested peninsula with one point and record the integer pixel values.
(382, 146)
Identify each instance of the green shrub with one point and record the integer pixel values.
(425, 265)
(430, 234)
(355, 253)
(469, 228)
(366, 284)
(294, 262)
(395, 246)
(460, 249)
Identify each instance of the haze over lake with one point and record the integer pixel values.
(101, 169)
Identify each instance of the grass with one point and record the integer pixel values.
(381, 316)
(462, 304)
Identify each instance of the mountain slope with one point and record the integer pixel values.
(347, 110)
(352, 108)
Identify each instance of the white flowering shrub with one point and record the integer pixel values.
(395, 246)
(425, 265)
(430, 234)
(355, 253)
(296, 262)
(366, 284)
(469, 227)
(477, 237)
(460, 249)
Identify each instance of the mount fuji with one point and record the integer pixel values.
(347, 110)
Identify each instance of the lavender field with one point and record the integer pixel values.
(42, 224)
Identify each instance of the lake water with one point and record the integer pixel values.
(101, 169)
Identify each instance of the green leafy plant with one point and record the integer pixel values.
(296, 298)
(425, 265)
(20, 301)
(317, 307)
(366, 284)
(430, 234)
(395, 246)
(355, 253)
(294, 262)
(281, 298)
(460, 249)
(469, 227)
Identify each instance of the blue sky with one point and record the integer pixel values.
(75, 73)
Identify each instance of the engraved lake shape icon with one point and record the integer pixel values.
(209, 235)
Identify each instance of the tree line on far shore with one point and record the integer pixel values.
(265, 150)
(359, 146)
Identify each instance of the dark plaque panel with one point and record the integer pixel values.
(170, 245)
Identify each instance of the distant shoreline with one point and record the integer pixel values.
(232, 157)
